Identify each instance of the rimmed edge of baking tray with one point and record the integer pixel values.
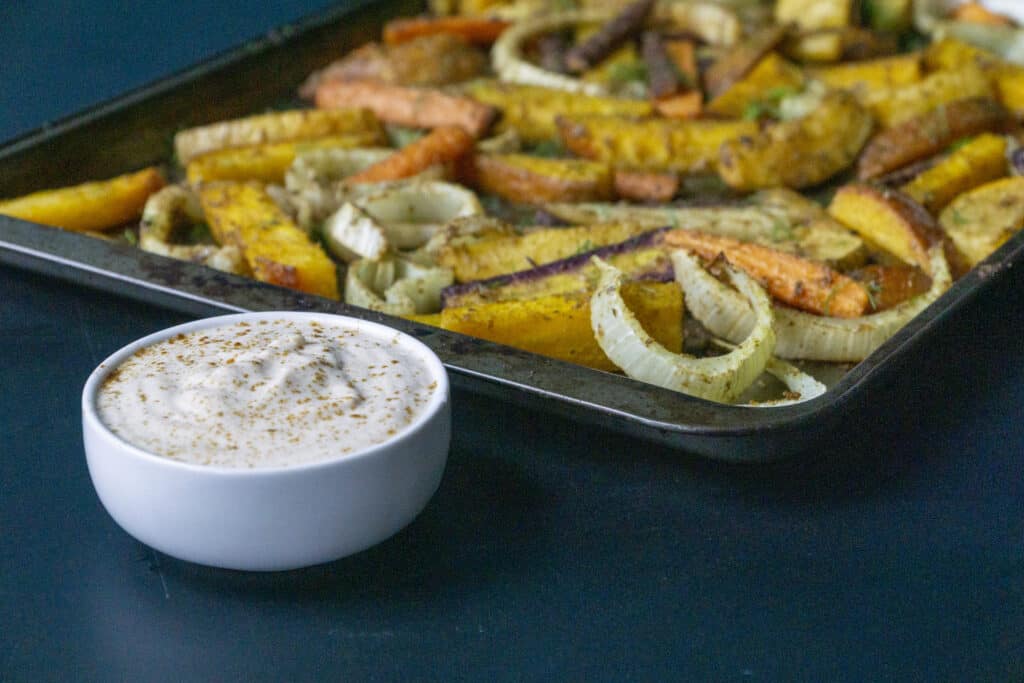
(731, 433)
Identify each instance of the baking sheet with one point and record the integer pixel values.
(136, 130)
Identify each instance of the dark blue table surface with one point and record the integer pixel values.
(551, 551)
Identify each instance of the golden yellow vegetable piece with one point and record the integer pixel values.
(940, 88)
(871, 79)
(980, 221)
(531, 110)
(821, 47)
(282, 126)
(559, 326)
(814, 14)
(656, 144)
(801, 152)
(532, 180)
(1006, 78)
(979, 161)
(502, 254)
(268, 163)
(772, 75)
(99, 205)
(276, 249)
(890, 221)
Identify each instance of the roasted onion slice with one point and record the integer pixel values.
(718, 378)
(801, 335)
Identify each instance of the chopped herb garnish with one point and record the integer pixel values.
(962, 142)
(781, 231)
(873, 288)
(199, 233)
(958, 217)
(131, 237)
(547, 148)
(627, 71)
(584, 247)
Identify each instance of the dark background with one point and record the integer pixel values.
(551, 551)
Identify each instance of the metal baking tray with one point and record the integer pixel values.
(135, 130)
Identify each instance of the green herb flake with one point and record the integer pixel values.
(627, 71)
(131, 237)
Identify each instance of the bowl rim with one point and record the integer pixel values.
(438, 398)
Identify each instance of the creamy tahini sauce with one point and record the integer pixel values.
(266, 393)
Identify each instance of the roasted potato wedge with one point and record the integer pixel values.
(906, 102)
(277, 250)
(532, 180)
(979, 161)
(928, 134)
(772, 74)
(891, 221)
(268, 163)
(282, 126)
(815, 14)
(96, 206)
(740, 59)
(654, 144)
(798, 153)
(980, 221)
(501, 254)
(872, 79)
(558, 326)
(531, 110)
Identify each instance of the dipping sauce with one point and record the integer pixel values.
(267, 393)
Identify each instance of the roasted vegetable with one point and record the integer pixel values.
(801, 283)
(906, 102)
(928, 134)
(977, 162)
(683, 146)
(799, 153)
(873, 79)
(891, 221)
(531, 110)
(739, 60)
(778, 218)
(502, 254)
(99, 205)
(283, 126)
(771, 79)
(277, 250)
(481, 30)
(662, 80)
(414, 107)
(645, 186)
(443, 144)
(640, 258)
(430, 60)
(533, 180)
(815, 14)
(980, 221)
(268, 163)
(613, 33)
(636, 353)
(891, 285)
(559, 325)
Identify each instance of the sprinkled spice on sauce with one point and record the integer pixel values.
(268, 393)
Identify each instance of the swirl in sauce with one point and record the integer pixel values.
(267, 393)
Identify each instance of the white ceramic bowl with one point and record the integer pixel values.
(270, 518)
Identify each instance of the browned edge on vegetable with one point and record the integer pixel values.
(624, 25)
(798, 282)
(441, 145)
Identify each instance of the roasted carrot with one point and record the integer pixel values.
(683, 54)
(687, 105)
(415, 107)
(443, 144)
(977, 13)
(478, 30)
(645, 186)
(799, 282)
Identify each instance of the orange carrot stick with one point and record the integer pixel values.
(415, 107)
(645, 186)
(443, 144)
(799, 282)
(477, 30)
